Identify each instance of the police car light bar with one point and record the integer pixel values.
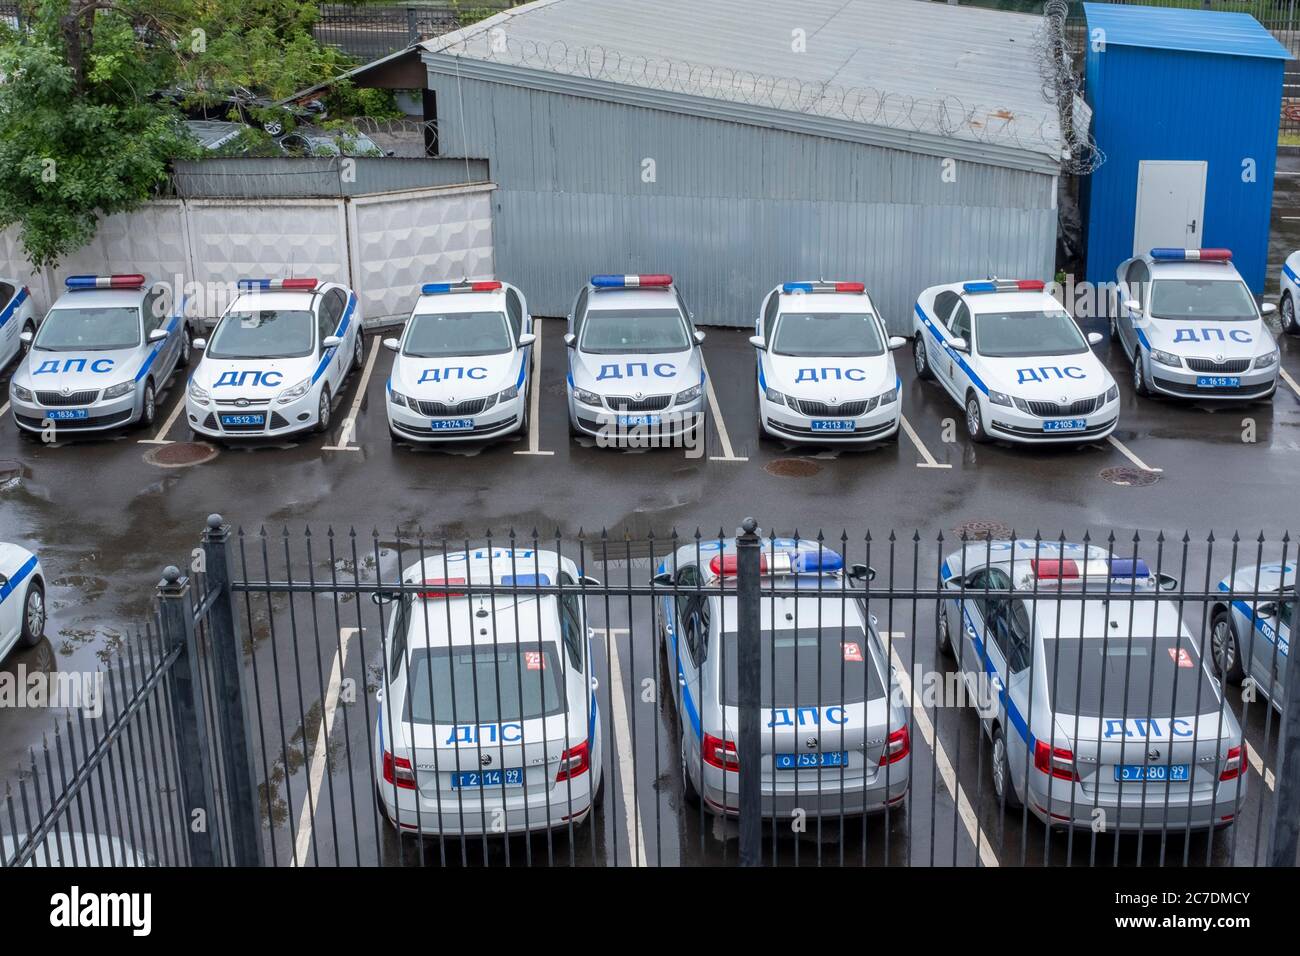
(305, 285)
(790, 287)
(1005, 285)
(438, 288)
(133, 281)
(632, 282)
(1192, 255)
(441, 594)
(824, 562)
(1055, 569)
(1129, 568)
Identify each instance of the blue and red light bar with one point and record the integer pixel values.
(133, 281)
(1129, 568)
(823, 562)
(426, 595)
(791, 287)
(656, 281)
(440, 288)
(288, 285)
(1191, 255)
(1004, 285)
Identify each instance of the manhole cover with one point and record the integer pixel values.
(1129, 477)
(982, 530)
(180, 454)
(792, 468)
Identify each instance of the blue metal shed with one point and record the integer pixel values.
(1185, 107)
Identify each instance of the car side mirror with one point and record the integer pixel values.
(1095, 338)
(331, 342)
(860, 572)
(392, 344)
(1132, 305)
(199, 344)
(1268, 308)
(663, 579)
(758, 342)
(699, 337)
(157, 335)
(1265, 611)
(959, 343)
(896, 342)
(526, 340)
(382, 597)
(588, 581)
(26, 337)
(570, 340)
(1167, 582)
(4, 581)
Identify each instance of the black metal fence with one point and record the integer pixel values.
(523, 699)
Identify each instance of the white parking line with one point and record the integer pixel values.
(158, 439)
(317, 770)
(623, 728)
(727, 453)
(922, 721)
(929, 460)
(1291, 383)
(1257, 765)
(535, 400)
(1124, 450)
(350, 423)
(4, 408)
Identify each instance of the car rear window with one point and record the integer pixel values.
(812, 666)
(484, 684)
(1161, 678)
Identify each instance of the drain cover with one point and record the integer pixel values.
(1129, 477)
(180, 454)
(792, 468)
(982, 530)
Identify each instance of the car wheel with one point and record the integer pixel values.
(918, 358)
(1114, 327)
(33, 616)
(1000, 768)
(184, 360)
(323, 411)
(148, 406)
(359, 353)
(29, 327)
(1139, 376)
(975, 419)
(945, 635)
(1226, 650)
(688, 788)
(1289, 323)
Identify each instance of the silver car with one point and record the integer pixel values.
(1100, 709)
(100, 357)
(1251, 627)
(835, 734)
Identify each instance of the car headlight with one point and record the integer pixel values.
(1266, 361)
(1000, 398)
(508, 393)
(20, 393)
(775, 397)
(687, 395)
(1112, 394)
(396, 397)
(1022, 405)
(1165, 358)
(889, 397)
(586, 397)
(120, 389)
(294, 393)
(199, 395)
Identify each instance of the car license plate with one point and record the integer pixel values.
(632, 421)
(509, 777)
(831, 758)
(243, 419)
(451, 424)
(67, 414)
(1218, 381)
(1065, 425)
(1126, 772)
(831, 425)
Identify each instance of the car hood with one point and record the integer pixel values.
(1209, 339)
(78, 371)
(251, 378)
(457, 379)
(1050, 378)
(631, 373)
(832, 380)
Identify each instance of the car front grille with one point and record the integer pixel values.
(1084, 406)
(842, 410)
(472, 406)
(59, 400)
(1228, 367)
(647, 403)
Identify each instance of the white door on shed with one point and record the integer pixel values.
(1170, 204)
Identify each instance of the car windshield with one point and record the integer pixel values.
(451, 334)
(265, 333)
(810, 665)
(89, 330)
(1143, 677)
(1218, 300)
(633, 330)
(1037, 332)
(484, 684)
(831, 334)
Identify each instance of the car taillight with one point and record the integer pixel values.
(898, 746)
(1056, 761)
(574, 762)
(719, 753)
(1232, 768)
(398, 772)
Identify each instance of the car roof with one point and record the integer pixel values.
(824, 302)
(1225, 271)
(659, 297)
(292, 300)
(510, 619)
(1099, 617)
(461, 301)
(101, 298)
(981, 302)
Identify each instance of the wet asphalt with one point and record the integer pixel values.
(105, 520)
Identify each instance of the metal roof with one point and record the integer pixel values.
(898, 73)
(1189, 30)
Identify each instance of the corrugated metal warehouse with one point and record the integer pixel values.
(741, 143)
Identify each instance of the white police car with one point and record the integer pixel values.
(487, 717)
(1190, 326)
(835, 735)
(1092, 703)
(634, 360)
(1016, 362)
(100, 356)
(462, 366)
(17, 320)
(1250, 630)
(825, 373)
(276, 360)
(22, 599)
(1290, 284)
